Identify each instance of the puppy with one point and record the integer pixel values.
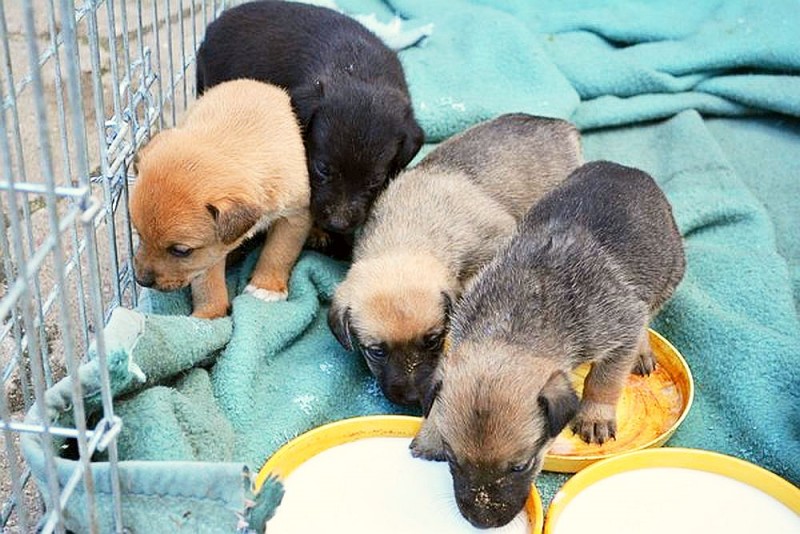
(579, 281)
(236, 166)
(431, 230)
(348, 90)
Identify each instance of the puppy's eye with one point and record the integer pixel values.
(521, 468)
(180, 251)
(322, 171)
(433, 341)
(375, 353)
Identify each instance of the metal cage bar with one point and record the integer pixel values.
(82, 88)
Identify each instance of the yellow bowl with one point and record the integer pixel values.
(699, 460)
(306, 446)
(648, 413)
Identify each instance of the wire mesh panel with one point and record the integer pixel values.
(83, 86)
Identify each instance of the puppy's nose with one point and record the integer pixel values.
(343, 217)
(483, 518)
(399, 394)
(339, 224)
(145, 278)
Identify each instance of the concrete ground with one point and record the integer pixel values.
(101, 78)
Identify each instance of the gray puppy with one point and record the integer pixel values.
(432, 229)
(579, 282)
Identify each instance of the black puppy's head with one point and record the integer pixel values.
(358, 136)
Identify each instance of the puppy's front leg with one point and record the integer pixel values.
(596, 421)
(209, 293)
(270, 280)
(428, 444)
(645, 362)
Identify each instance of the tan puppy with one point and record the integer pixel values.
(236, 166)
(432, 229)
(588, 267)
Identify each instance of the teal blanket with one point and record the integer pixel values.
(705, 96)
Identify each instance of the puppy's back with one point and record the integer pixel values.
(585, 267)
(234, 110)
(515, 158)
(468, 194)
(288, 44)
(240, 135)
(630, 218)
(252, 123)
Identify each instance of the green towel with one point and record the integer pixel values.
(701, 95)
(773, 178)
(628, 61)
(226, 392)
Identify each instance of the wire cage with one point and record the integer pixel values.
(83, 86)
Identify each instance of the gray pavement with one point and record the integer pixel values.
(103, 67)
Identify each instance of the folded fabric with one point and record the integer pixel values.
(627, 61)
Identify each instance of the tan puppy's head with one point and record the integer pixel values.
(497, 419)
(186, 222)
(395, 310)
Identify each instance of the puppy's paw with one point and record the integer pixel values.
(265, 294)
(318, 239)
(420, 449)
(595, 423)
(645, 364)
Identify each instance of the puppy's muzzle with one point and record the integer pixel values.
(145, 278)
(394, 385)
(487, 515)
(401, 394)
(490, 503)
(342, 218)
(404, 377)
(339, 225)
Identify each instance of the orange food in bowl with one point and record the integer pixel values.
(648, 413)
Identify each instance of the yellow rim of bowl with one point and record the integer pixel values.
(306, 446)
(700, 460)
(571, 464)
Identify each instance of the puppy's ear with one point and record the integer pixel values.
(233, 219)
(430, 398)
(411, 139)
(447, 304)
(559, 403)
(307, 100)
(135, 162)
(339, 323)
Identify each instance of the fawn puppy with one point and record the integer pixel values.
(235, 167)
(432, 229)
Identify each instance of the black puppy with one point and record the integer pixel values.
(347, 88)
